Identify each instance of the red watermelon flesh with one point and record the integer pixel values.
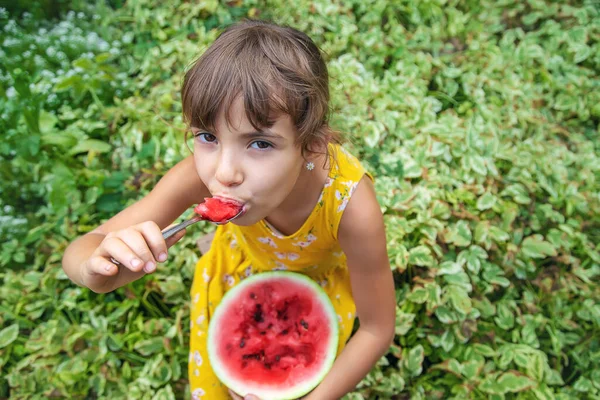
(218, 210)
(275, 340)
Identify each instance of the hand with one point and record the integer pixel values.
(235, 396)
(137, 248)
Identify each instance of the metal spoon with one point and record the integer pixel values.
(182, 225)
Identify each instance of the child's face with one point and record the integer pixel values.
(257, 169)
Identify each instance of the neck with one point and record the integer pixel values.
(307, 189)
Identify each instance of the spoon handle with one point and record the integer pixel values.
(167, 233)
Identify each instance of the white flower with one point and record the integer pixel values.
(289, 256)
(197, 358)
(229, 279)
(302, 244)
(248, 271)
(342, 206)
(338, 253)
(200, 319)
(197, 394)
(328, 182)
(311, 238)
(350, 315)
(205, 276)
(280, 266)
(268, 241)
(196, 298)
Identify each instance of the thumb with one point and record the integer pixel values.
(175, 238)
(250, 397)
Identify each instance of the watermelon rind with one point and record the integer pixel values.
(243, 388)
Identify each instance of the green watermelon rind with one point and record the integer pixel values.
(300, 389)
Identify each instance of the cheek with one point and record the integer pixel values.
(203, 167)
(276, 181)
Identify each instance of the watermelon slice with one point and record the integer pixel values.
(274, 335)
(216, 209)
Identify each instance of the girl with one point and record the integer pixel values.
(256, 103)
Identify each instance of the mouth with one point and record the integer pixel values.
(233, 201)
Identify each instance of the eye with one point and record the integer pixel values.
(205, 137)
(261, 145)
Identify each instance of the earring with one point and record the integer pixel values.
(310, 166)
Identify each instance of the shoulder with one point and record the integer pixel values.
(362, 219)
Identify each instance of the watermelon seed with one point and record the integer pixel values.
(263, 333)
(284, 332)
(242, 344)
(258, 316)
(252, 296)
(277, 358)
(304, 324)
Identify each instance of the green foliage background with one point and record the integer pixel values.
(479, 119)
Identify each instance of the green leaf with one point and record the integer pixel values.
(535, 247)
(498, 234)
(421, 255)
(505, 318)
(514, 382)
(484, 350)
(418, 295)
(8, 335)
(486, 201)
(460, 299)
(414, 360)
(150, 346)
(88, 145)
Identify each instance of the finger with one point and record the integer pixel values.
(136, 241)
(154, 240)
(175, 238)
(115, 248)
(98, 265)
(234, 396)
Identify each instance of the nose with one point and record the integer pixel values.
(229, 171)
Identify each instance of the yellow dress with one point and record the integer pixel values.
(238, 252)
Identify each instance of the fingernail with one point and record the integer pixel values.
(135, 262)
(162, 257)
(108, 267)
(149, 267)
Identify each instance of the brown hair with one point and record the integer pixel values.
(276, 69)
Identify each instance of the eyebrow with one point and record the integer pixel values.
(252, 135)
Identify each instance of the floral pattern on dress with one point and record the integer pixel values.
(229, 279)
(289, 256)
(197, 394)
(268, 240)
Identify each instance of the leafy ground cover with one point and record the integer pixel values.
(479, 119)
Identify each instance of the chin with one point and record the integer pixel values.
(245, 220)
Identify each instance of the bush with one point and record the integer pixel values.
(479, 120)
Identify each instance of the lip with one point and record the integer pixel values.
(232, 200)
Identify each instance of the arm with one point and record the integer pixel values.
(362, 237)
(179, 189)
